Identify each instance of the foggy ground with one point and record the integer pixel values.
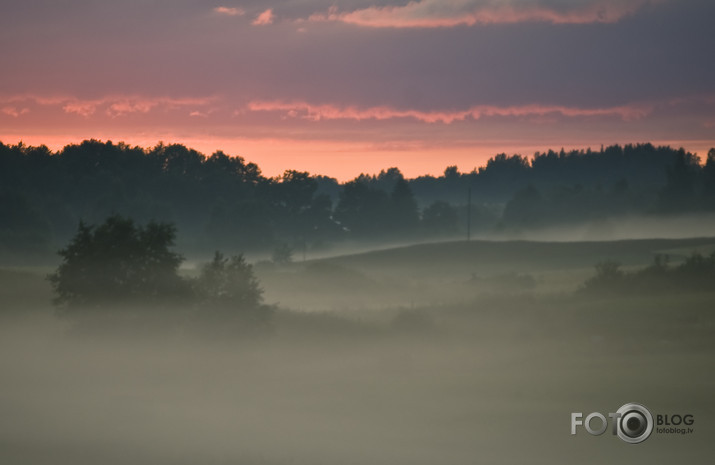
(441, 353)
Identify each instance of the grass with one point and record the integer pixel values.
(453, 272)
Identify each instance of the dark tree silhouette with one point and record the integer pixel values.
(405, 215)
(709, 181)
(524, 209)
(119, 262)
(229, 283)
(679, 192)
(695, 274)
(226, 202)
(230, 297)
(363, 210)
(440, 218)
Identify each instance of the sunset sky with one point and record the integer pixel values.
(344, 87)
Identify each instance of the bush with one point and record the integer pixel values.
(230, 296)
(695, 274)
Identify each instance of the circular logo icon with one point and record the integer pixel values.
(635, 423)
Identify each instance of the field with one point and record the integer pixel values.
(444, 353)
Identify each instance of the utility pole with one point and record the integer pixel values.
(469, 212)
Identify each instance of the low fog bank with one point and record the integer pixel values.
(615, 228)
(431, 385)
(688, 225)
(444, 353)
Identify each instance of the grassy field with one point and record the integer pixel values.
(455, 272)
(445, 353)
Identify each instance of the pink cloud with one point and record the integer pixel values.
(264, 18)
(14, 111)
(332, 112)
(111, 105)
(440, 13)
(229, 11)
(123, 107)
(82, 108)
(34, 98)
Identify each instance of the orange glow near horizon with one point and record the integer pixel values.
(342, 160)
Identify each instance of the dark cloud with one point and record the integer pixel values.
(177, 47)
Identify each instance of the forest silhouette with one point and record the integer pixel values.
(224, 202)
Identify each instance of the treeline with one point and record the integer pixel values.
(224, 202)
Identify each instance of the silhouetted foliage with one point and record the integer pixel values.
(440, 218)
(282, 255)
(230, 297)
(405, 214)
(363, 210)
(524, 209)
(609, 278)
(709, 181)
(22, 227)
(680, 189)
(119, 262)
(121, 266)
(695, 274)
(226, 202)
(229, 282)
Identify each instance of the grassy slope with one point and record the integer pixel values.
(522, 256)
(455, 271)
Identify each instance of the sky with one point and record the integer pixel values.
(344, 87)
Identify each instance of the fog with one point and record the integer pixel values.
(684, 225)
(613, 228)
(445, 353)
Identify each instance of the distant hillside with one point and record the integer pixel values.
(520, 256)
(454, 272)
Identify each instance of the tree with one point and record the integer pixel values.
(298, 212)
(440, 218)
(282, 255)
(364, 211)
(387, 178)
(231, 296)
(524, 209)
(405, 215)
(709, 180)
(23, 229)
(295, 190)
(678, 193)
(119, 262)
(230, 282)
(451, 173)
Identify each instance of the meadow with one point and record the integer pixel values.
(454, 352)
